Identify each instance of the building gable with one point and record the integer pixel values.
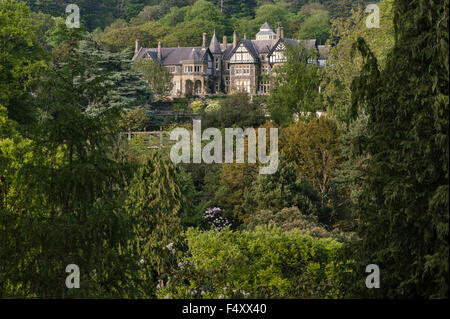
(244, 53)
(276, 54)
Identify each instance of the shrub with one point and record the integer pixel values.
(262, 263)
(197, 106)
(291, 218)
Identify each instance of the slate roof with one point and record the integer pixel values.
(307, 44)
(227, 52)
(266, 26)
(214, 46)
(251, 48)
(264, 46)
(174, 56)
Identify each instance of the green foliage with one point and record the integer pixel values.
(155, 202)
(134, 120)
(157, 76)
(345, 184)
(213, 106)
(121, 36)
(403, 208)
(197, 106)
(204, 10)
(174, 17)
(315, 150)
(124, 84)
(42, 23)
(235, 180)
(189, 33)
(236, 110)
(64, 201)
(295, 87)
(264, 263)
(21, 59)
(291, 218)
(94, 14)
(148, 13)
(316, 26)
(192, 214)
(343, 67)
(285, 188)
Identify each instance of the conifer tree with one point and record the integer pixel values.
(155, 202)
(65, 204)
(403, 207)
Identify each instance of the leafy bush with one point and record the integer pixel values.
(285, 188)
(262, 263)
(213, 106)
(291, 218)
(197, 106)
(236, 110)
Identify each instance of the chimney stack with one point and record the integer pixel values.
(235, 39)
(224, 43)
(159, 51)
(245, 36)
(204, 40)
(280, 32)
(138, 46)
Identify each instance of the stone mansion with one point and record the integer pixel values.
(218, 67)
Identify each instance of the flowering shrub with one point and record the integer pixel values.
(214, 216)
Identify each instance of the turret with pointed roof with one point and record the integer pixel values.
(214, 46)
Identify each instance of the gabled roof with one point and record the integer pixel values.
(251, 48)
(247, 44)
(227, 52)
(263, 46)
(214, 46)
(174, 56)
(307, 44)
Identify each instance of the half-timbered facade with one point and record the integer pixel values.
(242, 64)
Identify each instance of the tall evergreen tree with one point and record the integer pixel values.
(65, 196)
(126, 88)
(155, 202)
(403, 208)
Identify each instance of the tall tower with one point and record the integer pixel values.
(216, 51)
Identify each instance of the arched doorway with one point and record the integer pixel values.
(198, 87)
(189, 87)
